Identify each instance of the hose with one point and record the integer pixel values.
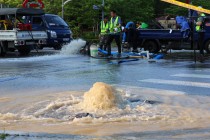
(32, 37)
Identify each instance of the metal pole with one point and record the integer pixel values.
(189, 11)
(63, 4)
(103, 4)
(62, 8)
(192, 40)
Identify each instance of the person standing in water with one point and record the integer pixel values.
(115, 32)
(104, 33)
(131, 36)
(200, 25)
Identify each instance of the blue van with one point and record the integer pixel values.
(57, 29)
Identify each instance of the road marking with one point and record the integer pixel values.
(177, 83)
(192, 76)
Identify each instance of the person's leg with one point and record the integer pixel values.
(135, 39)
(118, 42)
(129, 38)
(110, 39)
(105, 42)
(101, 42)
(124, 37)
(201, 44)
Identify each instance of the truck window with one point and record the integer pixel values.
(37, 20)
(55, 21)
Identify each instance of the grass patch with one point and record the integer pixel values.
(3, 136)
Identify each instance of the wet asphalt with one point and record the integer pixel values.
(49, 71)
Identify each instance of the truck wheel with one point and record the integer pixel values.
(151, 46)
(2, 52)
(24, 51)
(40, 47)
(207, 46)
(11, 49)
(57, 47)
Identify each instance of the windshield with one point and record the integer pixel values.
(55, 21)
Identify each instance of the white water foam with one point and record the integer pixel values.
(69, 50)
(166, 113)
(104, 102)
(73, 47)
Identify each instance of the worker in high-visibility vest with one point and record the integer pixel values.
(104, 26)
(200, 28)
(115, 32)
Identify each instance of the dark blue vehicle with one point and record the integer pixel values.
(159, 38)
(57, 29)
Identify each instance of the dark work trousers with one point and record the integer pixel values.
(103, 42)
(132, 36)
(117, 40)
(201, 36)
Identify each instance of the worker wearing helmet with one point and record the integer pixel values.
(200, 25)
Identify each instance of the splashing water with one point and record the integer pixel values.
(73, 47)
(68, 50)
(101, 97)
(108, 110)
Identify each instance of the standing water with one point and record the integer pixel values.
(107, 111)
(50, 94)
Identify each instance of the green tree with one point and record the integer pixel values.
(81, 17)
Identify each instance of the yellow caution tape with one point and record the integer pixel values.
(185, 5)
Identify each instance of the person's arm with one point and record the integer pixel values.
(200, 21)
(119, 22)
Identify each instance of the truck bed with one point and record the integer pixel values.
(12, 35)
(163, 34)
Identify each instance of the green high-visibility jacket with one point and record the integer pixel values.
(200, 19)
(104, 28)
(114, 25)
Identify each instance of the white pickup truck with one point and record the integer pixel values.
(16, 33)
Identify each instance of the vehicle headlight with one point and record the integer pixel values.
(53, 34)
(71, 35)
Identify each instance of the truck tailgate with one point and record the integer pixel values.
(160, 34)
(28, 35)
(12, 35)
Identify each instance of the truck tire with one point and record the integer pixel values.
(3, 49)
(24, 51)
(40, 47)
(2, 52)
(207, 46)
(57, 47)
(151, 46)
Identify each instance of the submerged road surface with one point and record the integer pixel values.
(52, 73)
(58, 72)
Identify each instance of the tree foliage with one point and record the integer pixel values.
(80, 13)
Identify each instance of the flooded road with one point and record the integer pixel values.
(164, 99)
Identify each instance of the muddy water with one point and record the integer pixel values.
(54, 94)
(131, 111)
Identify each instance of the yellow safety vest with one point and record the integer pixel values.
(114, 25)
(104, 27)
(198, 27)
